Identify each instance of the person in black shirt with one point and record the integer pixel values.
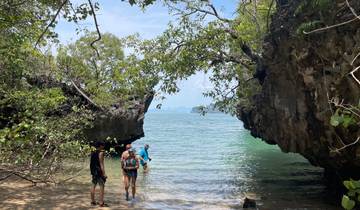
(97, 169)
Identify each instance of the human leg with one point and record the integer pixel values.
(101, 182)
(92, 194)
(94, 182)
(127, 185)
(133, 187)
(144, 165)
(102, 191)
(133, 184)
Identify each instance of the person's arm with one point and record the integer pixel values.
(102, 166)
(147, 154)
(139, 157)
(122, 161)
(137, 163)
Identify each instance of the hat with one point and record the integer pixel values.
(132, 150)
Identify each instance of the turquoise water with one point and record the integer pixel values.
(212, 162)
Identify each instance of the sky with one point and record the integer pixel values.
(119, 18)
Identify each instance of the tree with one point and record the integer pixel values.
(203, 40)
(36, 109)
(108, 77)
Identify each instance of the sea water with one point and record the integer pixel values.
(212, 162)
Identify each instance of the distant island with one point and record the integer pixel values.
(180, 109)
(205, 109)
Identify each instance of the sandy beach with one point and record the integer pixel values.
(20, 194)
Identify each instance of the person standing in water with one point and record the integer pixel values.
(123, 157)
(125, 154)
(130, 166)
(97, 169)
(144, 156)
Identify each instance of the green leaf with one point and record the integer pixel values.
(356, 183)
(347, 203)
(348, 120)
(349, 185)
(335, 120)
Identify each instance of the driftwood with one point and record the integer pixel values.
(25, 177)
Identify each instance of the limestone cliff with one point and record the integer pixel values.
(120, 124)
(303, 73)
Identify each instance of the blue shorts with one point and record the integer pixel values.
(131, 173)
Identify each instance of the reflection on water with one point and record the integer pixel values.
(211, 162)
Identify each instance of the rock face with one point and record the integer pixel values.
(117, 125)
(303, 73)
(121, 126)
(249, 203)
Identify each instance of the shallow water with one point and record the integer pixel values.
(211, 162)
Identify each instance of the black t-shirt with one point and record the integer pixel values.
(95, 168)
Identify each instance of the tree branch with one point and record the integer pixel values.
(354, 110)
(337, 150)
(244, 47)
(72, 177)
(97, 29)
(352, 10)
(83, 94)
(352, 62)
(193, 10)
(5, 177)
(217, 14)
(26, 177)
(268, 15)
(51, 23)
(329, 27)
(232, 90)
(213, 13)
(357, 17)
(352, 73)
(225, 57)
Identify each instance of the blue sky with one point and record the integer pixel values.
(121, 19)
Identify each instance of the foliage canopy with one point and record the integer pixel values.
(41, 123)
